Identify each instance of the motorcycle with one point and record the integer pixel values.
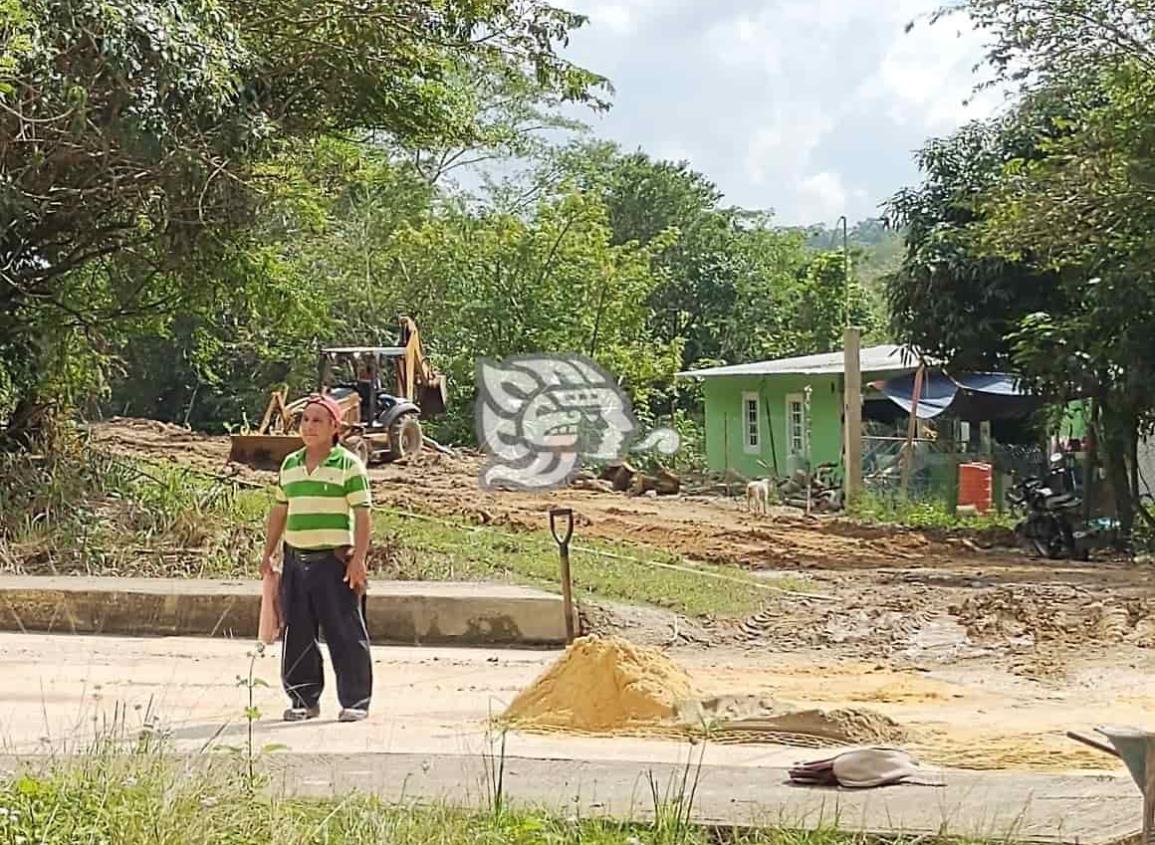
(1048, 525)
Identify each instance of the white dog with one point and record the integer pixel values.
(758, 496)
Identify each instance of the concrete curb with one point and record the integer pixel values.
(400, 612)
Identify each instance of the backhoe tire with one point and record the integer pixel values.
(405, 439)
(359, 446)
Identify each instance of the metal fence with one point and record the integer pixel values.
(882, 459)
(934, 465)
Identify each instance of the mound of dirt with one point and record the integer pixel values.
(756, 715)
(1057, 614)
(602, 685)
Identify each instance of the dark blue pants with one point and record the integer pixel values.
(315, 600)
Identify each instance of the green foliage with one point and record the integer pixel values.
(949, 298)
(83, 511)
(1028, 242)
(425, 548)
(882, 509)
(145, 129)
(732, 286)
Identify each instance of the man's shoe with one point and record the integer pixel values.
(300, 714)
(352, 714)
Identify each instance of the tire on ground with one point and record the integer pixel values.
(405, 437)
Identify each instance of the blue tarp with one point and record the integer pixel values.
(937, 394)
(999, 384)
(982, 395)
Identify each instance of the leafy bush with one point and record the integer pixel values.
(924, 513)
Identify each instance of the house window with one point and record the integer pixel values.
(750, 422)
(796, 424)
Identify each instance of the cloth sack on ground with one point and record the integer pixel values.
(269, 627)
(864, 768)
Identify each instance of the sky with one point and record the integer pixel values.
(810, 108)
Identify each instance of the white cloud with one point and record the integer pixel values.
(783, 146)
(810, 107)
(617, 17)
(822, 195)
(926, 77)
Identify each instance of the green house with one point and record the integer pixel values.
(771, 417)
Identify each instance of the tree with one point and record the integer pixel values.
(1045, 218)
(495, 284)
(949, 299)
(132, 135)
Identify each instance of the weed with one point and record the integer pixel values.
(412, 547)
(252, 715)
(493, 762)
(925, 514)
(96, 514)
(80, 510)
(673, 808)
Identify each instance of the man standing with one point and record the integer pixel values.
(322, 515)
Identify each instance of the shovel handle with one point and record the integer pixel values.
(563, 538)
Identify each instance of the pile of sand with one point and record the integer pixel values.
(602, 685)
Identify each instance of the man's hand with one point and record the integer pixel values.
(356, 575)
(274, 530)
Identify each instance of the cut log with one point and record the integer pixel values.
(620, 475)
(665, 483)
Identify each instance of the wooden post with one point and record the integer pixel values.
(726, 454)
(1149, 792)
(911, 431)
(1091, 464)
(852, 413)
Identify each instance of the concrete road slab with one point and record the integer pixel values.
(427, 738)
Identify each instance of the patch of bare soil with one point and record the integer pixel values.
(702, 528)
(890, 592)
(1058, 614)
(649, 626)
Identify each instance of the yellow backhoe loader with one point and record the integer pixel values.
(383, 391)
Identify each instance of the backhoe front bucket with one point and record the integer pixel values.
(431, 398)
(263, 451)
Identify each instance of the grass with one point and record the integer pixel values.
(89, 513)
(81, 511)
(144, 797)
(412, 547)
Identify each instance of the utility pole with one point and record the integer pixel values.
(845, 263)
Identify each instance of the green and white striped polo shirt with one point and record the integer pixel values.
(321, 503)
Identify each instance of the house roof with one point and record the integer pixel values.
(874, 359)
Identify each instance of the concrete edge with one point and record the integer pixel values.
(462, 617)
